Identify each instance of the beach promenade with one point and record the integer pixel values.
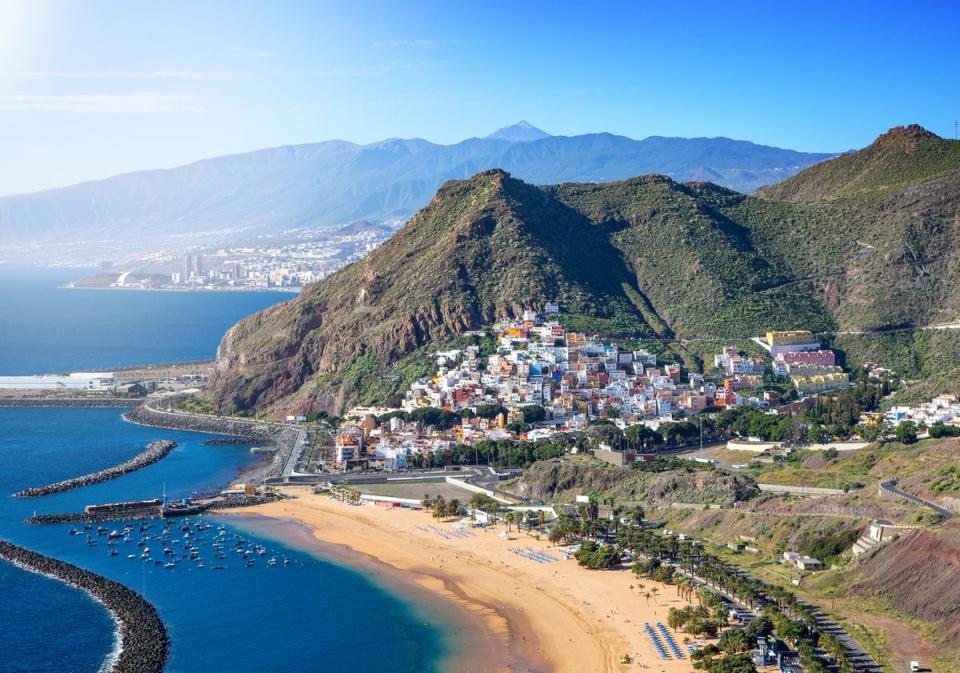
(552, 614)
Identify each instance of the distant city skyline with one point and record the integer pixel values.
(100, 88)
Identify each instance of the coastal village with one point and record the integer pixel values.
(530, 378)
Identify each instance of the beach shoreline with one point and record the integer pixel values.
(550, 618)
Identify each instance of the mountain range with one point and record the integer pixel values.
(328, 184)
(866, 243)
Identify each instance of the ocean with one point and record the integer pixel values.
(303, 612)
(45, 328)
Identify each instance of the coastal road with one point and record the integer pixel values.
(862, 662)
(890, 487)
(295, 449)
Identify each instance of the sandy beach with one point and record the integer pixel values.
(553, 616)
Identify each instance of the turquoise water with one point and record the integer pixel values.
(307, 615)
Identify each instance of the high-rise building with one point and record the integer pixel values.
(192, 266)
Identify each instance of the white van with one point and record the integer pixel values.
(914, 666)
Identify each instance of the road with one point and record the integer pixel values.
(289, 438)
(296, 449)
(861, 661)
(890, 486)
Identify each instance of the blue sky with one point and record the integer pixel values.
(89, 89)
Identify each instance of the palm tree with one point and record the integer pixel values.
(654, 591)
(648, 597)
(675, 619)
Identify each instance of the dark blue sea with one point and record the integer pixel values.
(44, 328)
(303, 613)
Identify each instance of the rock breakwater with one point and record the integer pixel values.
(146, 414)
(155, 451)
(143, 636)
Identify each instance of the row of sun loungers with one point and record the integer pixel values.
(655, 639)
(671, 643)
(446, 534)
(534, 555)
(658, 645)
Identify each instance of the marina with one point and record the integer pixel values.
(188, 542)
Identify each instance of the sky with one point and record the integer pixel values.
(95, 88)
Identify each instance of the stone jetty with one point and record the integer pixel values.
(155, 451)
(94, 517)
(143, 636)
(211, 504)
(148, 414)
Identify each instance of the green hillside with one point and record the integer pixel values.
(645, 257)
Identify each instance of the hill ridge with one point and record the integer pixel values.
(326, 185)
(645, 257)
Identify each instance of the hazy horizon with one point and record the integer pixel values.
(91, 91)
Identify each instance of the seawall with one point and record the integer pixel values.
(143, 636)
(146, 414)
(156, 451)
(70, 402)
(212, 505)
(284, 437)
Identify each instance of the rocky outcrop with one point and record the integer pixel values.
(143, 636)
(155, 452)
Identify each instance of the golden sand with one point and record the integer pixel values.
(538, 616)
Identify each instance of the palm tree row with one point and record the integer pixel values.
(699, 573)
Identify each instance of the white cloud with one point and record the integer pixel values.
(125, 103)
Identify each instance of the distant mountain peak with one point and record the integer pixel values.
(900, 135)
(521, 132)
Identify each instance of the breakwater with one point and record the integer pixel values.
(147, 414)
(244, 501)
(71, 402)
(155, 451)
(94, 515)
(143, 636)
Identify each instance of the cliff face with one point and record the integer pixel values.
(866, 242)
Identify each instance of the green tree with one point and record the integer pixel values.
(906, 432)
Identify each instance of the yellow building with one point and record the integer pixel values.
(809, 385)
(790, 337)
